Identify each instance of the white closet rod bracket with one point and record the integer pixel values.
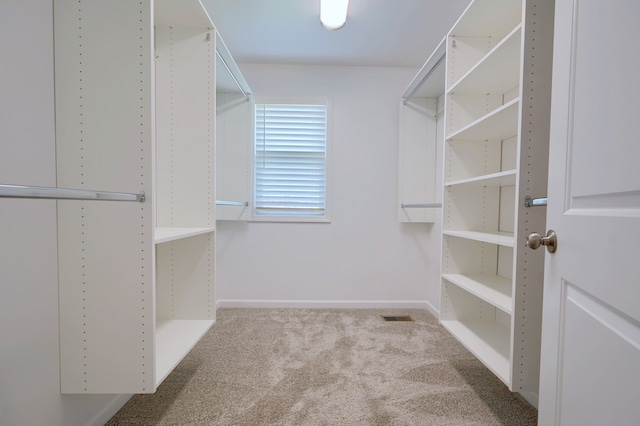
(41, 192)
(232, 203)
(246, 96)
(421, 206)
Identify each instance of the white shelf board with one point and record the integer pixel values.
(501, 123)
(174, 339)
(505, 239)
(166, 234)
(488, 18)
(430, 80)
(506, 178)
(493, 289)
(499, 70)
(488, 341)
(181, 13)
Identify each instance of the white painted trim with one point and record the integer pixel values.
(530, 397)
(432, 309)
(327, 304)
(109, 410)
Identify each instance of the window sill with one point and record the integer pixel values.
(291, 219)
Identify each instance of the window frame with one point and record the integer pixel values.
(293, 218)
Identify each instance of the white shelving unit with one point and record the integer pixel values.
(135, 110)
(421, 122)
(234, 138)
(496, 151)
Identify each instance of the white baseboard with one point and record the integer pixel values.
(104, 415)
(531, 397)
(434, 311)
(326, 304)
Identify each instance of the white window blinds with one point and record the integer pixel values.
(290, 160)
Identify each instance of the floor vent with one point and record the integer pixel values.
(397, 318)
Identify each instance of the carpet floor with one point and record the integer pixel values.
(327, 367)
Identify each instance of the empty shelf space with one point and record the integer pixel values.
(501, 123)
(180, 13)
(488, 18)
(487, 340)
(174, 339)
(499, 238)
(498, 72)
(493, 289)
(506, 178)
(164, 235)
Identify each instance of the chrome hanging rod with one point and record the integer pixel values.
(534, 202)
(246, 97)
(231, 203)
(425, 78)
(19, 191)
(421, 206)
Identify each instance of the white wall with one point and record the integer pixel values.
(29, 351)
(364, 257)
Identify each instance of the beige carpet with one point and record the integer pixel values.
(327, 367)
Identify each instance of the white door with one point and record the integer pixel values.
(590, 362)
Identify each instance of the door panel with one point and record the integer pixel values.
(604, 75)
(612, 339)
(590, 361)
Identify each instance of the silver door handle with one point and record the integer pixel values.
(534, 240)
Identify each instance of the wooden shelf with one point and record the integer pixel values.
(488, 341)
(506, 178)
(174, 339)
(501, 123)
(166, 234)
(493, 289)
(500, 238)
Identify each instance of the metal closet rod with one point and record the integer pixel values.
(231, 203)
(43, 192)
(421, 206)
(246, 97)
(425, 78)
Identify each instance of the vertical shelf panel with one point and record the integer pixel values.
(185, 173)
(128, 120)
(533, 169)
(104, 116)
(497, 152)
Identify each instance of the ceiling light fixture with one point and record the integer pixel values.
(333, 13)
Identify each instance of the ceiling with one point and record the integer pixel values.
(398, 33)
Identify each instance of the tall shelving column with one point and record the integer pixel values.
(419, 138)
(185, 80)
(496, 151)
(135, 110)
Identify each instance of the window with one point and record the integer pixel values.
(290, 161)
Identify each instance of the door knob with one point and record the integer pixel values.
(534, 240)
